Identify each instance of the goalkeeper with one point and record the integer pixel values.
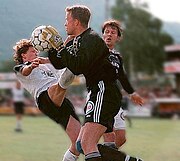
(87, 54)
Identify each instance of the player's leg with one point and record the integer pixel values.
(19, 112)
(99, 117)
(120, 128)
(18, 123)
(109, 139)
(128, 118)
(116, 138)
(108, 153)
(72, 130)
(73, 125)
(113, 154)
(57, 91)
(66, 117)
(57, 94)
(91, 135)
(120, 137)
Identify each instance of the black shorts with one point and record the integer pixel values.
(19, 107)
(58, 114)
(103, 104)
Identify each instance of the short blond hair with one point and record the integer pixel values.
(21, 46)
(81, 13)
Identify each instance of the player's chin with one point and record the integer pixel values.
(68, 32)
(108, 42)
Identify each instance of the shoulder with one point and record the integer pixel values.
(91, 35)
(19, 67)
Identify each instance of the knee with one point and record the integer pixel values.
(79, 147)
(109, 137)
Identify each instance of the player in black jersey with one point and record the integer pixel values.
(112, 33)
(87, 54)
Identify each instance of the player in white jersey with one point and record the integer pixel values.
(18, 103)
(48, 87)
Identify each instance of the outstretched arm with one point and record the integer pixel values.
(26, 70)
(134, 96)
(137, 99)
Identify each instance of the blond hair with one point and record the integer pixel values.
(81, 13)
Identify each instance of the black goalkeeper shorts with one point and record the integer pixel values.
(103, 104)
(58, 114)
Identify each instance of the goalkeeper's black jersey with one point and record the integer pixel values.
(116, 60)
(86, 54)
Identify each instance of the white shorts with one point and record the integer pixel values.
(119, 121)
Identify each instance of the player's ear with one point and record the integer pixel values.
(119, 38)
(76, 22)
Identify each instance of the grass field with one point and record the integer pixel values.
(43, 140)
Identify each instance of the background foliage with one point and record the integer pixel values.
(144, 38)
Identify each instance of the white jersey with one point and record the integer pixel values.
(18, 94)
(39, 80)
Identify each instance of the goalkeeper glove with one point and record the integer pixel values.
(51, 35)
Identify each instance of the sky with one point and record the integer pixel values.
(166, 10)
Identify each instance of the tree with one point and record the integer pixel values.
(144, 40)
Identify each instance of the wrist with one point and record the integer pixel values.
(132, 94)
(46, 60)
(30, 67)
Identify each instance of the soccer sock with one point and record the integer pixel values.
(108, 153)
(18, 124)
(68, 156)
(110, 144)
(95, 156)
(66, 78)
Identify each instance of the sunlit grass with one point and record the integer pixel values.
(43, 140)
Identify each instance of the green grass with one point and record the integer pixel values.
(43, 140)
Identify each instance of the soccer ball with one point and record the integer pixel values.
(37, 41)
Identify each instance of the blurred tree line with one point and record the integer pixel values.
(7, 66)
(143, 41)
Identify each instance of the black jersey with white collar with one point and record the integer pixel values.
(86, 54)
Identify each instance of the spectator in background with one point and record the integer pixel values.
(1, 99)
(18, 103)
